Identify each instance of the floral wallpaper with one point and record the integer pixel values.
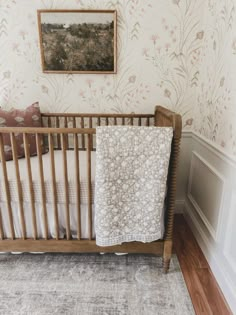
(215, 109)
(159, 45)
(178, 53)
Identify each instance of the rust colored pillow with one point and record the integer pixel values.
(30, 117)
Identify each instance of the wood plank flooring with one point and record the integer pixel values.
(205, 293)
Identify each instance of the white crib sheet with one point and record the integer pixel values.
(51, 222)
(47, 178)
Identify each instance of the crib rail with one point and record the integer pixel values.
(74, 120)
(45, 130)
(90, 120)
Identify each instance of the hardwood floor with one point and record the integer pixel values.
(205, 293)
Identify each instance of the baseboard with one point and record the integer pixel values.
(215, 262)
(179, 206)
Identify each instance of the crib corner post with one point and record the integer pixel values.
(167, 252)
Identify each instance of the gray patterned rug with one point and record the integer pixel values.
(91, 285)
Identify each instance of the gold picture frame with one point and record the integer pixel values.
(78, 41)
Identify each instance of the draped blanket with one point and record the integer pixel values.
(130, 183)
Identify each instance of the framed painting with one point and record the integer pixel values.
(78, 41)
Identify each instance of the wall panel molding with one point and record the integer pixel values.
(198, 158)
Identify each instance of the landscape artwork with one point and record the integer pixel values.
(78, 41)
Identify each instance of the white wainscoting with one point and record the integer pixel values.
(210, 209)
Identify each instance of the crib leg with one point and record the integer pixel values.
(167, 255)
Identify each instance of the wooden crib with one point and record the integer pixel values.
(74, 133)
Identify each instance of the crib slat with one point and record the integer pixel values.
(123, 121)
(30, 183)
(107, 121)
(67, 136)
(91, 126)
(131, 121)
(7, 189)
(58, 135)
(19, 187)
(66, 188)
(148, 122)
(140, 121)
(54, 188)
(42, 185)
(89, 186)
(77, 183)
(90, 122)
(99, 121)
(74, 122)
(1, 226)
(115, 121)
(83, 137)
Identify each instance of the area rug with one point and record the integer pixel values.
(91, 284)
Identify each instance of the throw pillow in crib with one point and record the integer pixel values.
(30, 117)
